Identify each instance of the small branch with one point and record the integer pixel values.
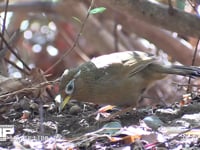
(13, 52)
(182, 22)
(193, 62)
(17, 67)
(79, 50)
(4, 22)
(158, 14)
(35, 87)
(75, 42)
(176, 136)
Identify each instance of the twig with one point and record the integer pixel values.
(35, 87)
(10, 41)
(75, 42)
(13, 52)
(193, 61)
(195, 52)
(79, 50)
(176, 136)
(4, 22)
(193, 6)
(17, 67)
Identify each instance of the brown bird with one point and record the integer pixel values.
(117, 78)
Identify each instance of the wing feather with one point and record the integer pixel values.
(133, 61)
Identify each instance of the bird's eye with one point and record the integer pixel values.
(69, 87)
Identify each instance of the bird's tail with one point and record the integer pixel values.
(192, 71)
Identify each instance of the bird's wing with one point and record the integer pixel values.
(132, 61)
(138, 62)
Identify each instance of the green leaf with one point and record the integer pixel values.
(110, 128)
(97, 10)
(181, 4)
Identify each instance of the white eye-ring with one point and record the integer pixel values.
(70, 87)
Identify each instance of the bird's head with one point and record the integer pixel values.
(67, 86)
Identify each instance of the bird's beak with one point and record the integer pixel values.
(64, 102)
